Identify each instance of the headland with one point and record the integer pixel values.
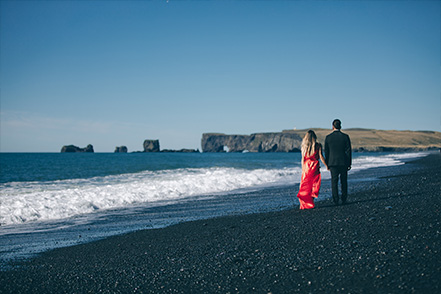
(363, 140)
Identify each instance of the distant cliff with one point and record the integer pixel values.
(290, 141)
(262, 142)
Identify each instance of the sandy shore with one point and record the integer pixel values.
(387, 239)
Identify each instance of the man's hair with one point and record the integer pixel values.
(336, 124)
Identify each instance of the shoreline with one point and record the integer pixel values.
(386, 239)
(16, 244)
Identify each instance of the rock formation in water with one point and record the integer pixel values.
(121, 149)
(73, 149)
(151, 146)
(180, 151)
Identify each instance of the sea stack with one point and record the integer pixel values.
(151, 146)
(121, 149)
(76, 149)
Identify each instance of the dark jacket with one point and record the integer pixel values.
(338, 151)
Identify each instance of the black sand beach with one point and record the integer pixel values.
(387, 239)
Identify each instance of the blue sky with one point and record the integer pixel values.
(112, 73)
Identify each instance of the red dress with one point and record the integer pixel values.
(311, 181)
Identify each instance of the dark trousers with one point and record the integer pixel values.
(339, 172)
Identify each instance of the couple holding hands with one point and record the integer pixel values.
(337, 159)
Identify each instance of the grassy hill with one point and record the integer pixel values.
(381, 140)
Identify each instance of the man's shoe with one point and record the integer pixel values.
(344, 199)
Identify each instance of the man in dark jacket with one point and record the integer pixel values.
(338, 158)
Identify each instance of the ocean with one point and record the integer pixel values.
(50, 200)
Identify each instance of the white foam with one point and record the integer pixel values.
(23, 202)
(369, 161)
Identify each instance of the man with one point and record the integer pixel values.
(338, 158)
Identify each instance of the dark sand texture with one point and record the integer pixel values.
(387, 239)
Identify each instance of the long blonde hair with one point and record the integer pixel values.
(309, 143)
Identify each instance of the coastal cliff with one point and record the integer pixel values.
(363, 140)
(261, 142)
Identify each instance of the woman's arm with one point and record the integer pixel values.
(321, 156)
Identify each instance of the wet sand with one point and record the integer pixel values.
(387, 239)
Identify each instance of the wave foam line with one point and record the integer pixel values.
(34, 201)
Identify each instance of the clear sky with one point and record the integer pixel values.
(112, 73)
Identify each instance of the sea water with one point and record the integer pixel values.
(49, 200)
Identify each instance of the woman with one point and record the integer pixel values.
(311, 178)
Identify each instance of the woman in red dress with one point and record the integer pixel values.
(311, 178)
